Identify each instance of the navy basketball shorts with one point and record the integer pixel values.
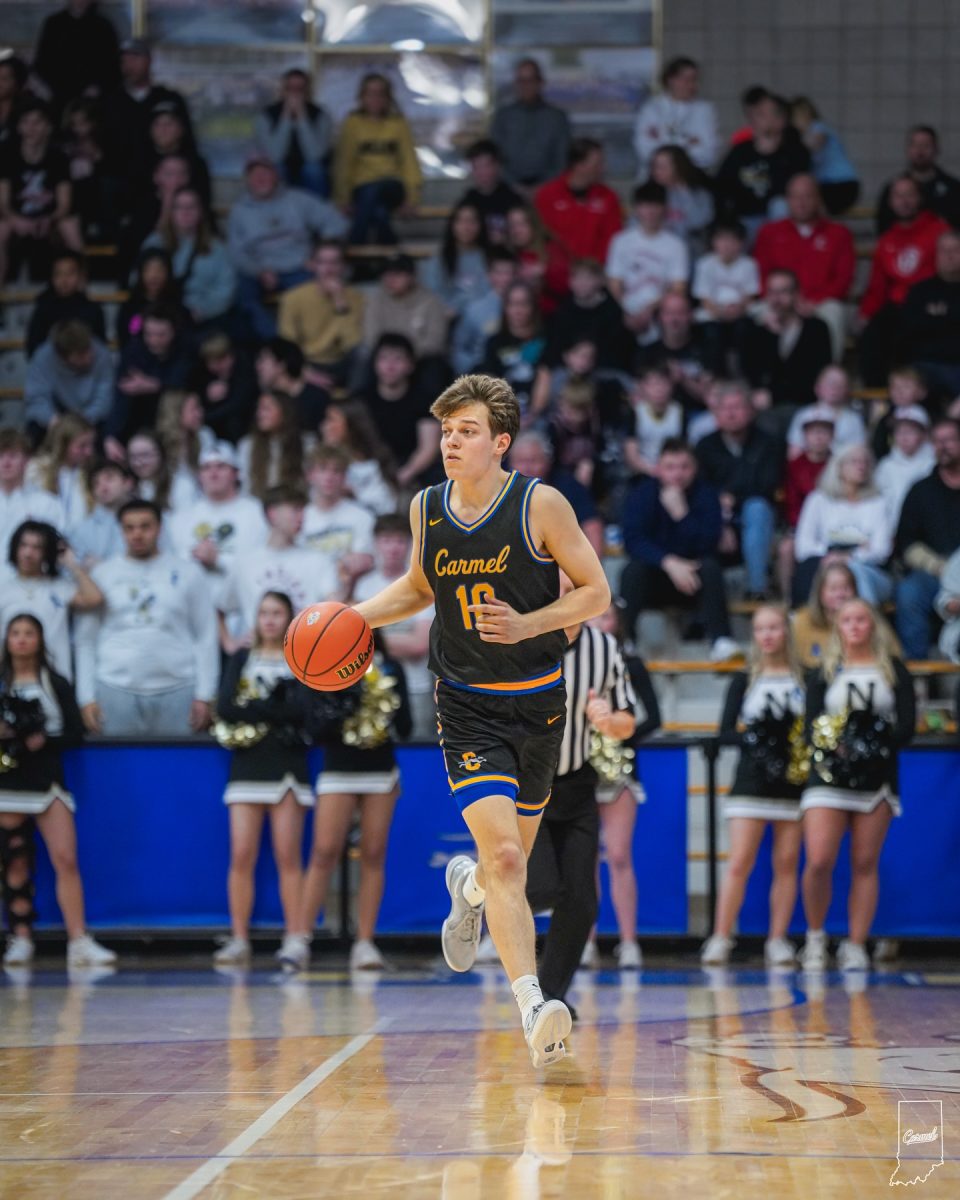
(501, 744)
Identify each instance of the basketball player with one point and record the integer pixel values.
(488, 546)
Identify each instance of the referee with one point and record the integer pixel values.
(561, 873)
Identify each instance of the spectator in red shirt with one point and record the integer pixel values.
(905, 254)
(577, 208)
(801, 478)
(818, 251)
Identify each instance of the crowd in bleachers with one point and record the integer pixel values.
(691, 370)
(719, 310)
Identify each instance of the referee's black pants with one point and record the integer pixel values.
(561, 875)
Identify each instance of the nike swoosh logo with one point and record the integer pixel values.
(550, 720)
(436, 522)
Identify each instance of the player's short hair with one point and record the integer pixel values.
(496, 396)
(676, 446)
(392, 523)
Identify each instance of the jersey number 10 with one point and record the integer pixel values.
(478, 593)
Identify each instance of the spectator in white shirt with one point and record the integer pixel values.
(148, 661)
(372, 473)
(46, 580)
(689, 203)
(222, 522)
(657, 417)
(645, 262)
(845, 519)
(19, 501)
(407, 641)
(171, 492)
(272, 453)
(98, 536)
(333, 525)
(832, 390)
(676, 117)
(59, 467)
(726, 281)
(911, 458)
(280, 566)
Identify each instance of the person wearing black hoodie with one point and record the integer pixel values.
(154, 361)
(78, 53)
(65, 299)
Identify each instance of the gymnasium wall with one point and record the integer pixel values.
(872, 67)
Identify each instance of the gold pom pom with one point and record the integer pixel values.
(610, 758)
(239, 737)
(369, 725)
(798, 769)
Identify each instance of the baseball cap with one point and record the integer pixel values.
(135, 46)
(912, 412)
(817, 416)
(220, 452)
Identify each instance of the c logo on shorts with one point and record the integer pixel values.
(470, 762)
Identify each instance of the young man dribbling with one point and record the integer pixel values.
(488, 548)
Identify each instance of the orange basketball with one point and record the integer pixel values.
(328, 646)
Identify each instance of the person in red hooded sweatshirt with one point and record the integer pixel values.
(577, 208)
(905, 254)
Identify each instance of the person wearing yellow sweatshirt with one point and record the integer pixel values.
(376, 170)
(324, 317)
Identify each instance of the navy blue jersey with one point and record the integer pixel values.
(494, 556)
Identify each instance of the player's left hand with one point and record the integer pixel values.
(496, 621)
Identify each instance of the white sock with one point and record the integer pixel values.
(816, 935)
(526, 989)
(473, 893)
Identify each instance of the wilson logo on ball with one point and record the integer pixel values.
(352, 668)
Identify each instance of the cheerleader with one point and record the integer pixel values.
(861, 710)
(32, 788)
(262, 713)
(764, 704)
(359, 773)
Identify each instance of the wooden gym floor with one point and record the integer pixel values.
(171, 1084)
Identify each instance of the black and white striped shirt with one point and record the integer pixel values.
(593, 661)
